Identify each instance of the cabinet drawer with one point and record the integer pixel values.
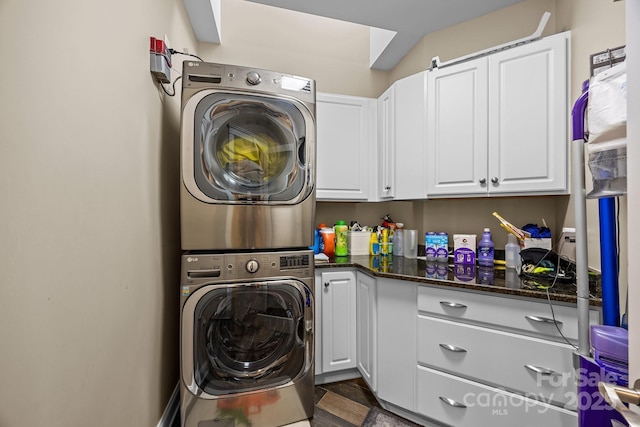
(462, 403)
(531, 366)
(531, 317)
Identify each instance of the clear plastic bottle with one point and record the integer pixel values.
(486, 249)
(512, 252)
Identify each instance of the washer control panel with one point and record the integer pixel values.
(294, 261)
(203, 267)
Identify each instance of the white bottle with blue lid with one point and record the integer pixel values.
(486, 249)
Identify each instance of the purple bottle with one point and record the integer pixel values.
(486, 249)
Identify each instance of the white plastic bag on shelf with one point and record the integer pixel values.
(607, 109)
(607, 125)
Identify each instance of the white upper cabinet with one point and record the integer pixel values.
(402, 140)
(528, 116)
(410, 143)
(386, 138)
(457, 129)
(497, 125)
(346, 141)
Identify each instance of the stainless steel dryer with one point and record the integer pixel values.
(247, 158)
(246, 339)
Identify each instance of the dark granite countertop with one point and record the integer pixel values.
(497, 279)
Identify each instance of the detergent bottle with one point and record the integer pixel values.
(486, 249)
(341, 228)
(374, 245)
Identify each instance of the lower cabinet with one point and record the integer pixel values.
(397, 342)
(441, 355)
(366, 329)
(336, 295)
(459, 402)
(529, 366)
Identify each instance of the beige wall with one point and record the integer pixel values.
(334, 53)
(496, 28)
(89, 246)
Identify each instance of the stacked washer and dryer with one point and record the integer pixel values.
(247, 207)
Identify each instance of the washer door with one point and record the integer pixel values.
(247, 148)
(238, 338)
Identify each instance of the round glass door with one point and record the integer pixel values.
(250, 149)
(248, 337)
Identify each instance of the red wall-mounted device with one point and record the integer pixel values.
(160, 60)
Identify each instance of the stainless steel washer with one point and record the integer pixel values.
(247, 158)
(246, 339)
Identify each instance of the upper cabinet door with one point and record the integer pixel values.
(345, 129)
(386, 137)
(528, 115)
(457, 129)
(410, 140)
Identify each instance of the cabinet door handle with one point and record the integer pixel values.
(452, 304)
(483, 180)
(387, 188)
(494, 180)
(540, 319)
(452, 402)
(542, 371)
(326, 284)
(453, 348)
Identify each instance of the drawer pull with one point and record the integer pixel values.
(452, 304)
(543, 320)
(453, 348)
(541, 371)
(452, 402)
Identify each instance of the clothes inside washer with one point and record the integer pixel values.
(255, 159)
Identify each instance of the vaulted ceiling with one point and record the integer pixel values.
(410, 20)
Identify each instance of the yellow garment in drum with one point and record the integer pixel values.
(255, 158)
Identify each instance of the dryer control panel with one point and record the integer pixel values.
(208, 75)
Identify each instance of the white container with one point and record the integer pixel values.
(537, 243)
(410, 243)
(358, 242)
(512, 252)
(464, 249)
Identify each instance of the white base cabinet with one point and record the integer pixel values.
(336, 346)
(397, 342)
(366, 329)
(442, 355)
(526, 365)
(459, 402)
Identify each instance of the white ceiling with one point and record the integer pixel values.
(411, 19)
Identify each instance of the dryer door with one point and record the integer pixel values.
(240, 148)
(239, 338)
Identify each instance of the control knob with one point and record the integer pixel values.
(253, 78)
(252, 266)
